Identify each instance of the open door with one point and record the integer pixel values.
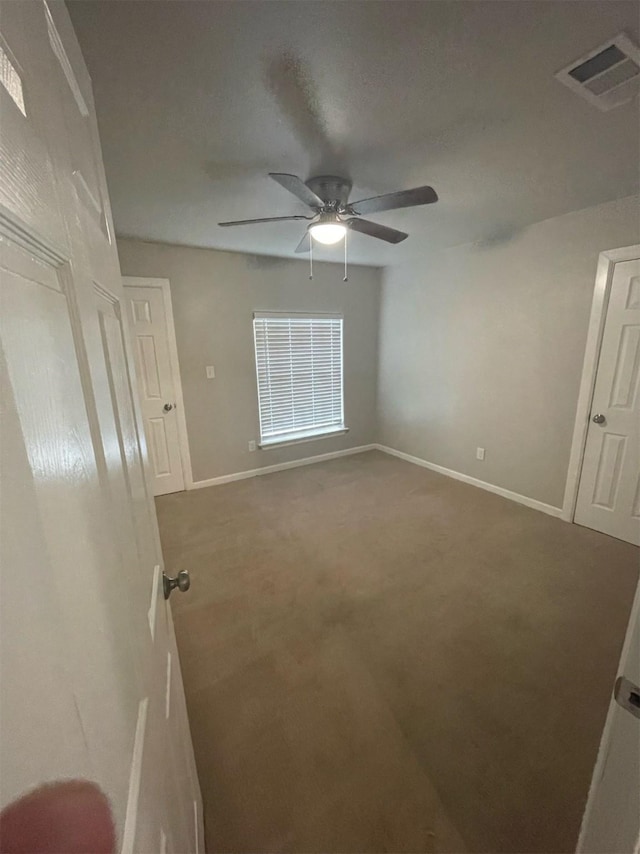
(611, 823)
(90, 679)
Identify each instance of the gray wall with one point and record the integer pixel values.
(479, 346)
(483, 346)
(214, 295)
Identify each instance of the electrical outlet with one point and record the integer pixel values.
(211, 372)
(252, 445)
(479, 453)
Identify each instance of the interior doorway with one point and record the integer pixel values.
(156, 360)
(603, 491)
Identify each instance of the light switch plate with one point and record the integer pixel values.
(479, 453)
(211, 372)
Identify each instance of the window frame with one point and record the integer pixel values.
(312, 433)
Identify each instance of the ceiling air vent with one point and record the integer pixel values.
(607, 76)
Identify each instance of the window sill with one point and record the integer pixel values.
(283, 442)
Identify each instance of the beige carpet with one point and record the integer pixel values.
(379, 658)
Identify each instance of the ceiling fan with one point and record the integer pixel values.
(328, 197)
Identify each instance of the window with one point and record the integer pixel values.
(299, 368)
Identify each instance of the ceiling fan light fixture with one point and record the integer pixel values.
(328, 230)
(333, 214)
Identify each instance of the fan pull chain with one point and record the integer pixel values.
(346, 269)
(310, 257)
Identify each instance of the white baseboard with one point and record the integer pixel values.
(465, 478)
(320, 458)
(307, 461)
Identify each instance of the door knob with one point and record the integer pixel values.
(598, 418)
(181, 581)
(168, 407)
(627, 695)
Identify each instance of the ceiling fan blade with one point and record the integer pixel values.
(265, 219)
(374, 229)
(305, 243)
(296, 186)
(393, 201)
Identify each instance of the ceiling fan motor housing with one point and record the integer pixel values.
(325, 218)
(333, 190)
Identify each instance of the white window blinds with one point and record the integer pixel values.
(299, 368)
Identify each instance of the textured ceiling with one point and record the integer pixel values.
(197, 101)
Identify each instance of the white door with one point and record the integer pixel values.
(609, 491)
(158, 379)
(611, 822)
(88, 658)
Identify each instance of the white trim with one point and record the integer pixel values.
(549, 509)
(263, 355)
(299, 315)
(320, 458)
(284, 442)
(306, 461)
(183, 436)
(604, 276)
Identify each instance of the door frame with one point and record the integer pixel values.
(604, 277)
(183, 436)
